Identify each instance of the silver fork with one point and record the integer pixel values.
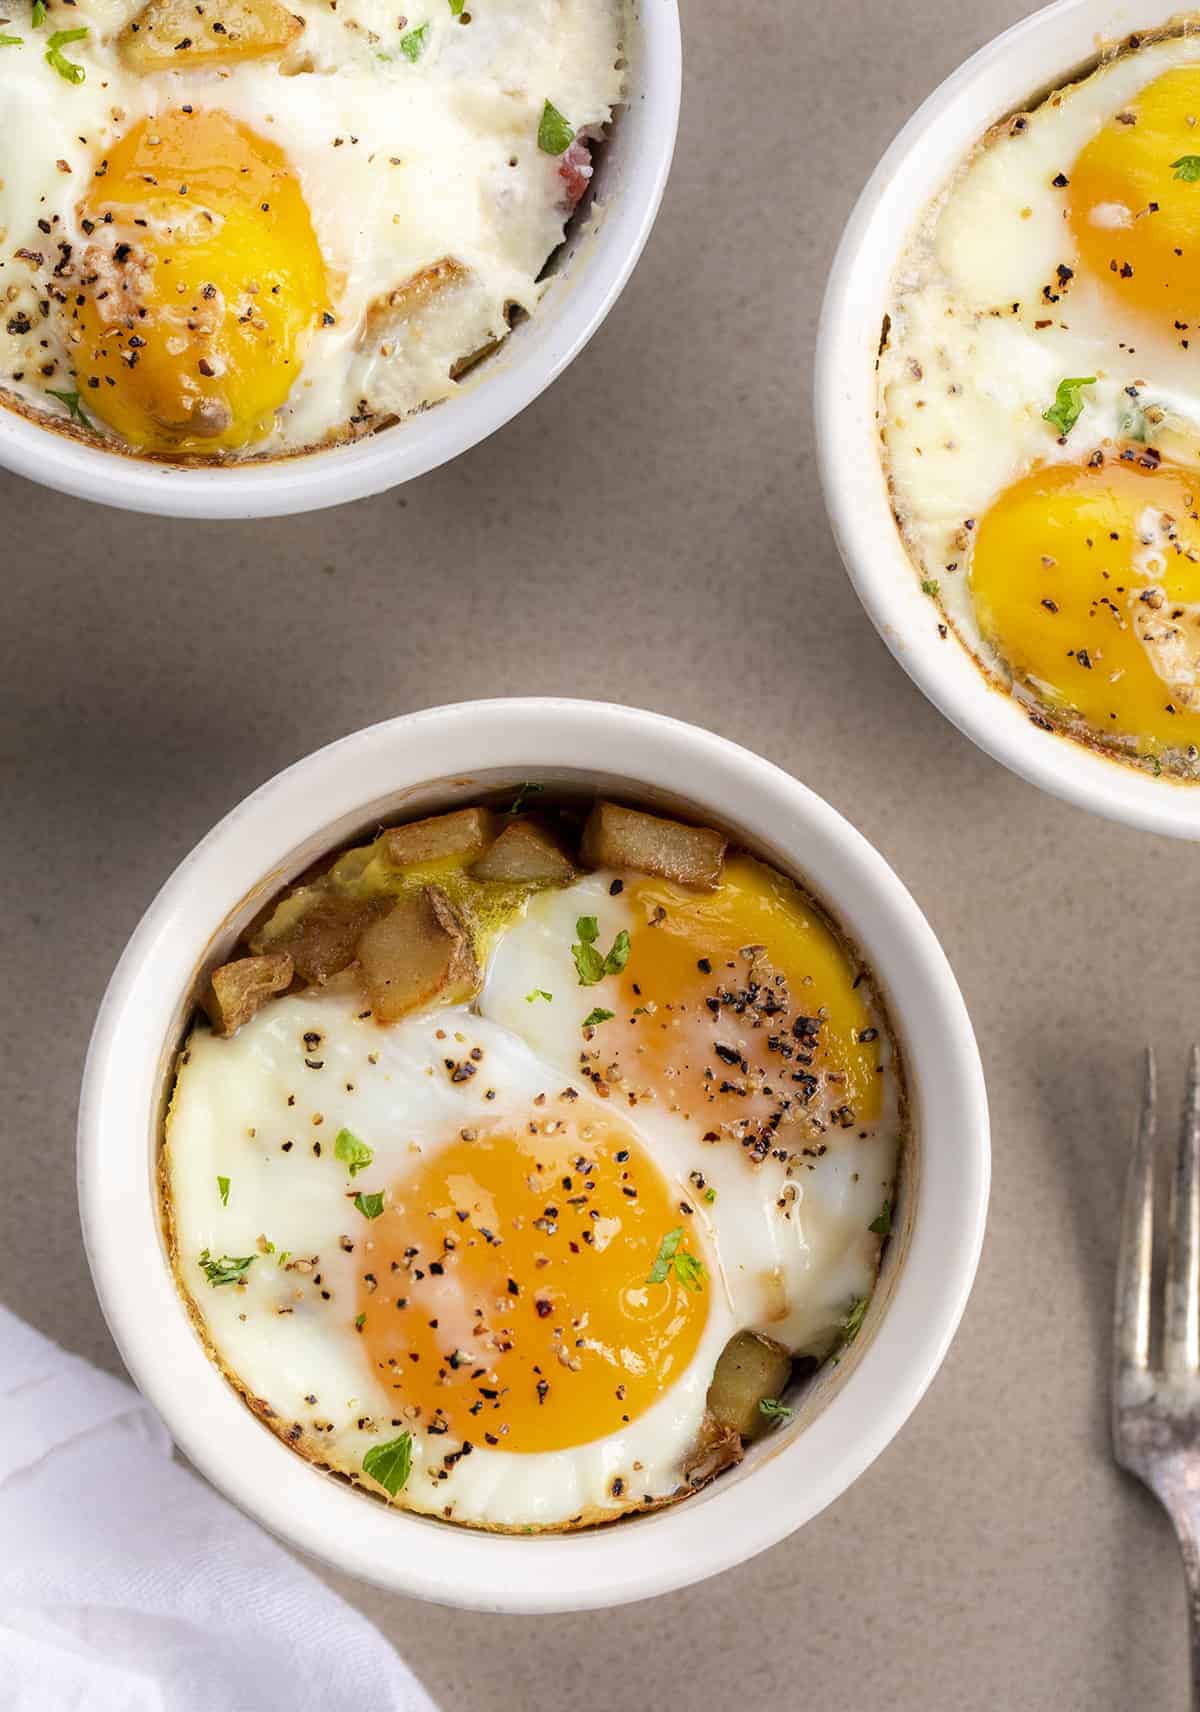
(1156, 1406)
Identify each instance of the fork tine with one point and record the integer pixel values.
(1181, 1335)
(1131, 1342)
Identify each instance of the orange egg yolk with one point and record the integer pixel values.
(505, 1287)
(1135, 219)
(202, 283)
(1086, 581)
(740, 1010)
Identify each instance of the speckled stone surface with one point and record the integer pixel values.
(651, 531)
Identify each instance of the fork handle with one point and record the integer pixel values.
(1183, 1507)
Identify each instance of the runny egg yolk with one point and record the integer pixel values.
(505, 1289)
(202, 283)
(1134, 201)
(1086, 581)
(741, 1010)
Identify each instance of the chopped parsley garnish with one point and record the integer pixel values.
(370, 1206)
(71, 400)
(852, 1324)
(518, 801)
(360, 1321)
(589, 963)
(882, 1223)
(539, 993)
(1067, 408)
(37, 16)
(11, 42)
(774, 1410)
(353, 1152)
(555, 136)
(55, 57)
(1187, 167)
(1157, 766)
(687, 1268)
(285, 1254)
(597, 1016)
(223, 1190)
(412, 45)
(930, 586)
(391, 1463)
(710, 1195)
(227, 1270)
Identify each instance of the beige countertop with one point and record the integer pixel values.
(651, 531)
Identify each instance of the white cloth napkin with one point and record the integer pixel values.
(128, 1585)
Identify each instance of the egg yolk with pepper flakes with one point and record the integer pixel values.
(1086, 581)
(201, 286)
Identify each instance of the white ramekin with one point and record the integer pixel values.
(1040, 53)
(590, 274)
(413, 765)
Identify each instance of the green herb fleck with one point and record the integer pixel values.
(1132, 422)
(1187, 167)
(412, 45)
(11, 42)
(55, 57)
(1157, 765)
(1067, 408)
(353, 1152)
(589, 964)
(710, 1195)
(390, 1463)
(456, 6)
(37, 16)
(71, 400)
(773, 1410)
(370, 1206)
(852, 1324)
(223, 1190)
(555, 136)
(596, 1016)
(285, 1254)
(226, 1270)
(930, 587)
(882, 1223)
(539, 993)
(687, 1267)
(360, 1321)
(518, 801)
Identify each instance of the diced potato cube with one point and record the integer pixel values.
(391, 309)
(420, 951)
(749, 1368)
(466, 833)
(236, 990)
(169, 34)
(617, 837)
(324, 939)
(526, 853)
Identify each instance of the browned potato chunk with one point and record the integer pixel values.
(526, 853)
(391, 309)
(419, 951)
(236, 990)
(617, 837)
(467, 833)
(749, 1368)
(717, 1447)
(324, 940)
(169, 34)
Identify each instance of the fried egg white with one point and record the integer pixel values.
(1061, 251)
(482, 1282)
(265, 254)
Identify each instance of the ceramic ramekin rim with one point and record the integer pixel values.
(1012, 68)
(575, 307)
(734, 1518)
